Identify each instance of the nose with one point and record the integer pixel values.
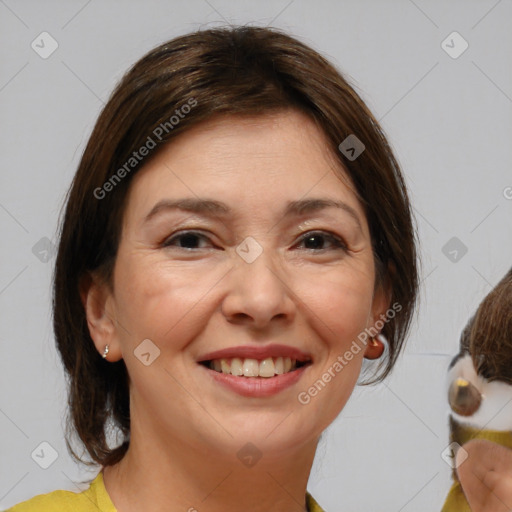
(258, 294)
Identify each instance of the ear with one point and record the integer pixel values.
(380, 305)
(98, 302)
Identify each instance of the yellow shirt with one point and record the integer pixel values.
(93, 499)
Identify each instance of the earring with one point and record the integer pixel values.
(377, 348)
(105, 352)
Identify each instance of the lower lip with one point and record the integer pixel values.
(258, 386)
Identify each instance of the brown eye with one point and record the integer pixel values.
(185, 240)
(321, 241)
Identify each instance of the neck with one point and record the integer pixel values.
(176, 476)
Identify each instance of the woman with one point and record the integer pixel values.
(237, 239)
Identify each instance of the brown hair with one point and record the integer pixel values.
(236, 71)
(490, 335)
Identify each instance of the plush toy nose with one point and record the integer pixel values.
(464, 397)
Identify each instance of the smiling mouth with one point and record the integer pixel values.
(248, 367)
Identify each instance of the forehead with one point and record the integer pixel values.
(255, 161)
(287, 136)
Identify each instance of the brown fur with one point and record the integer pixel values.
(490, 341)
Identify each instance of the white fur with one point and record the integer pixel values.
(495, 411)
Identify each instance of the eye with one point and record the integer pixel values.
(316, 241)
(185, 240)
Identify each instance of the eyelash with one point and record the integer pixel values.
(336, 241)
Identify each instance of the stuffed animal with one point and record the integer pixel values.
(480, 381)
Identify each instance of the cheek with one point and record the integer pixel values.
(163, 300)
(339, 312)
(340, 303)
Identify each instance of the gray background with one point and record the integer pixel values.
(449, 120)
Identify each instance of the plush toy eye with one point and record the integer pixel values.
(464, 397)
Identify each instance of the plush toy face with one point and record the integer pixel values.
(480, 376)
(475, 401)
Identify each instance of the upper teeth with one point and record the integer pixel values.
(253, 368)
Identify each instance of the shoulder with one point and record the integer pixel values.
(93, 499)
(47, 502)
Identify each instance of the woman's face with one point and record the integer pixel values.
(241, 246)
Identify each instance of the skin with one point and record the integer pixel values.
(486, 476)
(187, 429)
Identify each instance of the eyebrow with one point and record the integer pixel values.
(214, 208)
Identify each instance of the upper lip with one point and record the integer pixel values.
(257, 352)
